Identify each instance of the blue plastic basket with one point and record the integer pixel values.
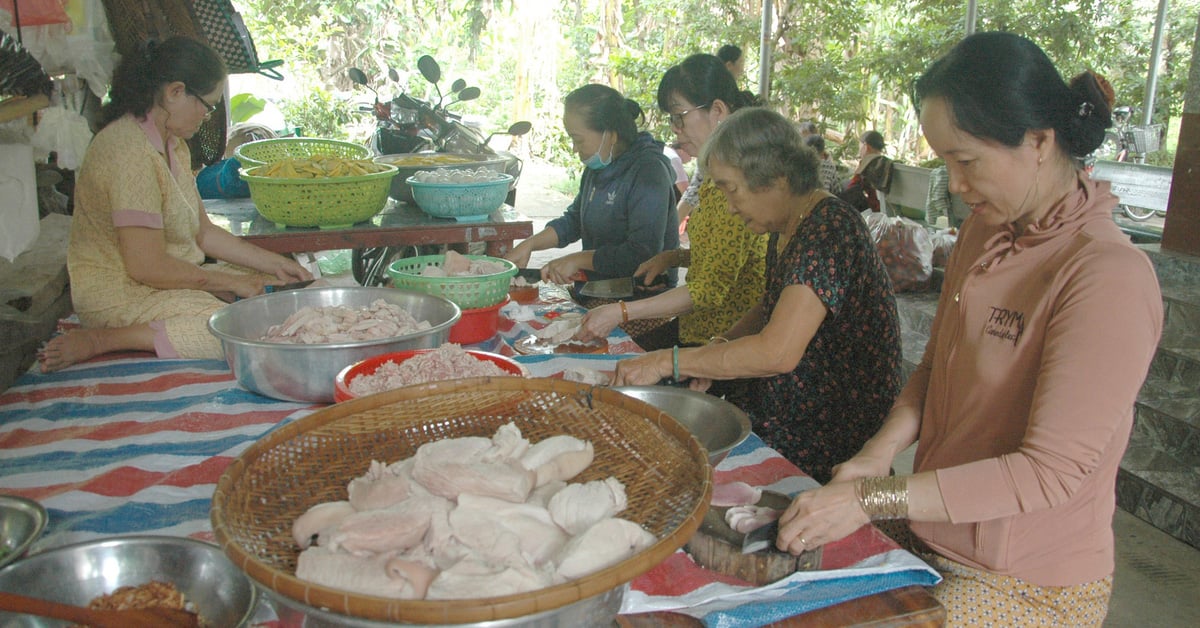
(464, 202)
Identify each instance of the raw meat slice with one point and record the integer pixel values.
(451, 467)
(746, 519)
(604, 544)
(559, 457)
(414, 573)
(497, 529)
(507, 443)
(365, 575)
(578, 507)
(319, 520)
(474, 579)
(393, 530)
(382, 486)
(735, 494)
(541, 495)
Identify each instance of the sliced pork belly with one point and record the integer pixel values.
(365, 575)
(454, 466)
(391, 530)
(475, 579)
(382, 486)
(320, 519)
(506, 533)
(746, 519)
(605, 543)
(559, 457)
(735, 494)
(578, 507)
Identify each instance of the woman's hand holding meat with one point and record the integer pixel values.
(599, 322)
(654, 267)
(562, 270)
(644, 370)
(820, 516)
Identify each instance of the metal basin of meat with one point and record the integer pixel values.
(306, 372)
(717, 424)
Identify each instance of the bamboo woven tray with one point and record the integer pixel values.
(665, 470)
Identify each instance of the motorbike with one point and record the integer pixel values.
(407, 124)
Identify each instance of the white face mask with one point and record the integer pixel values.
(596, 162)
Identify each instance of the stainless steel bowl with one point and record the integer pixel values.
(76, 574)
(298, 372)
(717, 424)
(21, 523)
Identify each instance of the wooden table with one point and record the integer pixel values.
(399, 224)
(907, 606)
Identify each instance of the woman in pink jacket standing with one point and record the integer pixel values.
(1022, 405)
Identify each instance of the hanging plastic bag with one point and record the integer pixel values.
(18, 200)
(905, 248)
(65, 133)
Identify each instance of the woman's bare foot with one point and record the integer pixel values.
(71, 347)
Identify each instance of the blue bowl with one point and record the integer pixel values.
(464, 202)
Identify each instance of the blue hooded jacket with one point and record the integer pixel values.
(625, 212)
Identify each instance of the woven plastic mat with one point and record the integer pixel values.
(665, 471)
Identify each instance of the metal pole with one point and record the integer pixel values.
(972, 14)
(1160, 23)
(765, 52)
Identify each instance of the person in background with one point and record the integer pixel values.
(734, 60)
(938, 199)
(625, 209)
(1022, 405)
(725, 261)
(682, 180)
(139, 234)
(872, 175)
(822, 347)
(829, 175)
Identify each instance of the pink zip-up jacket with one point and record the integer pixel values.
(1026, 390)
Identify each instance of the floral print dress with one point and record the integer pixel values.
(822, 412)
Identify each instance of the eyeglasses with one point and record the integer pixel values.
(208, 108)
(677, 118)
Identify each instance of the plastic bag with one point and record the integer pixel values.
(65, 133)
(18, 200)
(905, 248)
(943, 242)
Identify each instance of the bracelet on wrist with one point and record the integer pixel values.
(624, 312)
(675, 363)
(883, 498)
(717, 339)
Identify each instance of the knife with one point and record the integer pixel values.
(295, 285)
(619, 288)
(761, 538)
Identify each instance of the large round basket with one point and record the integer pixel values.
(467, 292)
(262, 152)
(665, 471)
(321, 202)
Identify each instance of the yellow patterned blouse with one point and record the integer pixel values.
(726, 274)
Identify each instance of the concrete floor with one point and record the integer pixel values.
(1157, 578)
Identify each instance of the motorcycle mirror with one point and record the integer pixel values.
(393, 74)
(457, 86)
(468, 93)
(429, 69)
(520, 128)
(358, 76)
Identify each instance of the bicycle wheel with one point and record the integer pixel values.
(1137, 213)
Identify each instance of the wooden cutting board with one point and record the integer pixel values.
(718, 547)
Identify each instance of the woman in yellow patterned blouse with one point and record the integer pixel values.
(726, 261)
(139, 235)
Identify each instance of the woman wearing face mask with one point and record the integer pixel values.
(726, 260)
(139, 235)
(625, 209)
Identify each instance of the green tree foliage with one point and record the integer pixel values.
(848, 65)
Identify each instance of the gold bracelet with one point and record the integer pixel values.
(716, 339)
(883, 497)
(624, 312)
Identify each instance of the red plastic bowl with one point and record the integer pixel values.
(341, 383)
(477, 324)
